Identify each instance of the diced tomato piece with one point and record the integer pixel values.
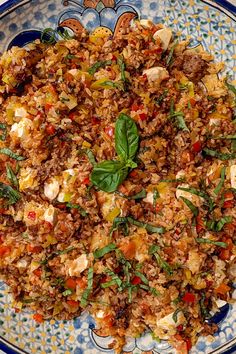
(197, 146)
(228, 204)
(38, 317)
(71, 283)
(38, 272)
(189, 298)
(81, 283)
(222, 289)
(180, 328)
(110, 131)
(229, 195)
(199, 224)
(61, 206)
(103, 279)
(225, 254)
(143, 116)
(192, 102)
(136, 280)
(189, 343)
(95, 120)
(50, 129)
(114, 57)
(2, 210)
(31, 215)
(4, 250)
(129, 249)
(72, 303)
(135, 107)
(34, 249)
(86, 181)
(133, 173)
(48, 106)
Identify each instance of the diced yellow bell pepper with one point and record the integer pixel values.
(113, 214)
(86, 144)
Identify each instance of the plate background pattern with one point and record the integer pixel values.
(208, 26)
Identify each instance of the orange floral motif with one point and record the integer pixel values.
(93, 3)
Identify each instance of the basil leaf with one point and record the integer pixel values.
(107, 249)
(112, 84)
(126, 137)
(226, 137)
(153, 249)
(231, 87)
(82, 211)
(87, 292)
(219, 155)
(169, 59)
(191, 206)
(100, 64)
(161, 97)
(216, 243)
(91, 157)
(11, 154)
(204, 311)
(200, 194)
(163, 264)
(3, 127)
(108, 175)
(178, 117)
(120, 222)
(67, 292)
(150, 228)
(221, 183)
(156, 195)
(8, 192)
(12, 177)
(142, 194)
(175, 315)
(221, 223)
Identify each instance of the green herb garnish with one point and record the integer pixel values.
(175, 315)
(156, 195)
(11, 154)
(221, 183)
(82, 211)
(161, 97)
(178, 117)
(153, 250)
(205, 313)
(107, 249)
(3, 127)
(112, 84)
(67, 292)
(217, 226)
(200, 194)
(99, 64)
(218, 155)
(12, 177)
(191, 206)
(231, 87)
(88, 290)
(108, 175)
(216, 243)
(140, 195)
(9, 193)
(169, 59)
(129, 220)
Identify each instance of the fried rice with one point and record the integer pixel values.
(118, 182)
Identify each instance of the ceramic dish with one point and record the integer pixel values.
(211, 24)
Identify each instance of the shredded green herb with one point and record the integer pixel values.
(142, 194)
(82, 211)
(205, 313)
(11, 154)
(169, 59)
(87, 291)
(12, 177)
(175, 315)
(178, 117)
(231, 87)
(161, 98)
(216, 243)
(67, 292)
(219, 155)
(204, 195)
(191, 206)
(107, 249)
(91, 157)
(177, 180)
(115, 280)
(153, 250)
(99, 64)
(217, 226)
(142, 277)
(113, 84)
(3, 127)
(221, 183)
(156, 195)
(49, 35)
(9, 193)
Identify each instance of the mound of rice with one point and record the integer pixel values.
(156, 253)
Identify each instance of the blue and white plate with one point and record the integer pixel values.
(209, 23)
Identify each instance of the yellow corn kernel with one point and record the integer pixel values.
(86, 144)
(188, 274)
(113, 214)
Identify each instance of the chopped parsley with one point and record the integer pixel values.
(11, 154)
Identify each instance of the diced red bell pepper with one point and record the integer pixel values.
(133, 174)
(72, 303)
(199, 224)
(38, 272)
(50, 129)
(189, 298)
(38, 317)
(189, 343)
(95, 120)
(143, 116)
(34, 249)
(4, 250)
(228, 204)
(136, 280)
(197, 146)
(31, 215)
(86, 181)
(71, 284)
(48, 106)
(180, 328)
